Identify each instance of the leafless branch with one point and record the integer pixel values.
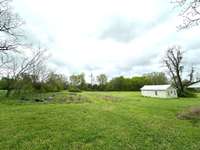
(190, 12)
(10, 29)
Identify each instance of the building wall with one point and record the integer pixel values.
(170, 93)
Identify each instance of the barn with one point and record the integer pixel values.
(160, 91)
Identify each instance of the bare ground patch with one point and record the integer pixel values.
(192, 114)
(56, 98)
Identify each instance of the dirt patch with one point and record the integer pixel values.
(56, 98)
(190, 114)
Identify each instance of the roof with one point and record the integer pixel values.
(155, 87)
(196, 85)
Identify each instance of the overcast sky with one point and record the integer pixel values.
(116, 37)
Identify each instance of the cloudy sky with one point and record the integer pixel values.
(116, 37)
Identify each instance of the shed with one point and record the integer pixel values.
(160, 91)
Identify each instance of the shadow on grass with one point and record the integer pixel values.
(195, 122)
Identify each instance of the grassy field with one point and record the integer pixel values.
(97, 120)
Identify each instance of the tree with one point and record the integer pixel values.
(127, 84)
(78, 81)
(174, 62)
(55, 82)
(20, 66)
(74, 80)
(102, 79)
(139, 82)
(190, 12)
(24, 84)
(156, 78)
(118, 84)
(82, 81)
(10, 24)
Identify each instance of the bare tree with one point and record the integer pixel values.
(102, 79)
(174, 62)
(23, 65)
(77, 80)
(190, 12)
(10, 31)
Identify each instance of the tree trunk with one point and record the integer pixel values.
(8, 92)
(180, 84)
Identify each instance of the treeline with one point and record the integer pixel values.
(27, 84)
(31, 83)
(118, 83)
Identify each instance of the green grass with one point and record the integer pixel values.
(103, 120)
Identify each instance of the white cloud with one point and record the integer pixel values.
(124, 37)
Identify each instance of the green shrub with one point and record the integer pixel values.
(74, 89)
(187, 93)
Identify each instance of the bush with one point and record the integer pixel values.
(74, 89)
(187, 93)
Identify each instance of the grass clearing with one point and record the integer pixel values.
(104, 120)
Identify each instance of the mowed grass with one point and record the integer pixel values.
(106, 121)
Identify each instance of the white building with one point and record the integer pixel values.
(160, 91)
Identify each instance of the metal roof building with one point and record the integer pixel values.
(160, 91)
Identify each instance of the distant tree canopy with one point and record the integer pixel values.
(55, 83)
(77, 81)
(29, 83)
(102, 80)
(118, 83)
(135, 83)
(156, 78)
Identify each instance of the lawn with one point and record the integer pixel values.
(98, 120)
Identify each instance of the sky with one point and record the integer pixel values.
(115, 37)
